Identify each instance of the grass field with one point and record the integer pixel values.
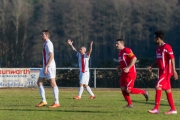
(19, 104)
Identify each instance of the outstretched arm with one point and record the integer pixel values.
(71, 44)
(90, 49)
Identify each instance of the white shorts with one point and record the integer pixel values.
(51, 73)
(84, 78)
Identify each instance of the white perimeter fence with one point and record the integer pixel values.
(109, 77)
(69, 77)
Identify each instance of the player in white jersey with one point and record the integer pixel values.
(83, 60)
(48, 71)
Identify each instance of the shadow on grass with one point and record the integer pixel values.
(57, 110)
(150, 102)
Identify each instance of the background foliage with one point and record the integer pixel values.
(102, 21)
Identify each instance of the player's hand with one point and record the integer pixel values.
(126, 69)
(70, 42)
(117, 68)
(115, 60)
(45, 70)
(149, 68)
(175, 75)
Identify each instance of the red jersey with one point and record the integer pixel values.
(164, 54)
(124, 57)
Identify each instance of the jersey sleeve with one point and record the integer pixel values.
(88, 55)
(77, 54)
(129, 53)
(49, 47)
(170, 51)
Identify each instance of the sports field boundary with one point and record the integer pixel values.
(75, 88)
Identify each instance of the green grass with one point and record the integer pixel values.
(19, 104)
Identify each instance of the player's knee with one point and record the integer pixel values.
(128, 91)
(85, 86)
(39, 83)
(53, 84)
(158, 88)
(168, 91)
(122, 88)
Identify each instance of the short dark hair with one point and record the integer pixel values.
(47, 32)
(160, 34)
(121, 40)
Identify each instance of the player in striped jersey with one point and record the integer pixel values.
(166, 68)
(83, 60)
(48, 71)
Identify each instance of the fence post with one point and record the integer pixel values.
(94, 78)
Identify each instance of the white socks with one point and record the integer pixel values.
(81, 89)
(42, 93)
(89, 91)
(56, 94)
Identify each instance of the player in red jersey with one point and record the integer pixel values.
(127, 64)
(166, 67)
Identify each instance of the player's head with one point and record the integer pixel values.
(82, 50)
(159, 36)
(119, 44)
(45, 34)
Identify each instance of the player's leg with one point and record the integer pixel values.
(170, 97)
(81, 88)
(55, 90)
(127, 97)
(140, 91)
(158, 95)
(171, 102)
(42, 92)
(86, 82)
(123, 84)
(89, 91)
(137, 90)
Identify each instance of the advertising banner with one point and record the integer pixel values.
(18, 77)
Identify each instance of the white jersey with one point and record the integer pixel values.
(47, 48)
(83, 61)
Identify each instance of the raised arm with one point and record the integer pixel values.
(90, 49)
(71, 44)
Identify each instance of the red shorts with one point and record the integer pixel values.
(164, 82)
(127, 81)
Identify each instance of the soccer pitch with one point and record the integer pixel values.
(19, 104)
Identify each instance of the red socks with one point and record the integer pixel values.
(137, 91)
(127, 97)
(133, 91)
(158, 98)
(170, 100)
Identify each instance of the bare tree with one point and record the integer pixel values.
(15, 15)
